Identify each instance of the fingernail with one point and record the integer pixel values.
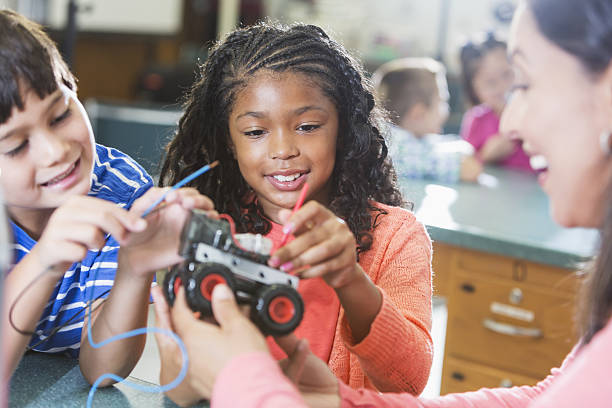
(274, 262)
(288, 228)
(140, 223)
(222, 292)
(287, 266)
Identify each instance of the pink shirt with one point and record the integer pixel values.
(481, 123)
(255, 380)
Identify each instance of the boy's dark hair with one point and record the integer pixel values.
(405, 82)
(471, 55)
(362, 171)
(29, 60)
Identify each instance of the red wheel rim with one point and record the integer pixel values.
(281, 309)
(208, 284)
(177, 284)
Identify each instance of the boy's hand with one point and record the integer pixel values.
(323, 243)
(80, 224)
(156, 246)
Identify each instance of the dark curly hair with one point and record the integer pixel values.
(362, 171)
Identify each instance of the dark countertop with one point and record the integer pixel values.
(45, 381)
(505, 213)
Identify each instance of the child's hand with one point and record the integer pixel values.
(78, 225)
(470, 169)
(497, 148)
(156, 247)
(324, 244)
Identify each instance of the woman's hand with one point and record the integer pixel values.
(81, 224)
(210, 347)
(317, 384)
(323, 247)
(170, 354)
(156, 246)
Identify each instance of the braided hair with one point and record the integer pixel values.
(362, 171)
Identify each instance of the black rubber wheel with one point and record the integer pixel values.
(172, 281)
(200, 283)
(277, 310)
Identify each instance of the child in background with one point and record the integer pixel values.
(487, 77)
(415, 93)
(63, 195)
(281, 106)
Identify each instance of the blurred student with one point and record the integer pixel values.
(415, 94)
(487, 78)
(75, 214)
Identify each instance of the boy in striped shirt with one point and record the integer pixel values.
(75, 210)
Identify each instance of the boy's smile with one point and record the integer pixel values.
(283, 133)
(46, 156)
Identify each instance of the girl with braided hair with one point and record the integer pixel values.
(280, 106)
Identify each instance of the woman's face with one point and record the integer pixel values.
(283, 133)
(559, 110)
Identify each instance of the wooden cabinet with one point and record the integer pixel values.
(509, 321)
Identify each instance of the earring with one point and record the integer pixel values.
(604, 142)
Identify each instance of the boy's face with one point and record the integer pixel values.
(46, 153)
(424, 119)
(283, 131)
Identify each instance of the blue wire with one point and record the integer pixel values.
(138, 387)
(143, 330)
(180, 184)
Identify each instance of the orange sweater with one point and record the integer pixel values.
(396, 354)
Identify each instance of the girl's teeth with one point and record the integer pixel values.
(286, 178)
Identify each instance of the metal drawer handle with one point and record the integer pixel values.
(510, 330)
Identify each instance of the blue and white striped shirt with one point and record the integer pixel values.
(116, 178)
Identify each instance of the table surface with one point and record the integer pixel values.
(45, 381)
(505, 213)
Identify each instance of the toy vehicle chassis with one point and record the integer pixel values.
(212, 256)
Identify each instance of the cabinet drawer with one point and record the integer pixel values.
(460, 376)
(516, 270)
(530, 336)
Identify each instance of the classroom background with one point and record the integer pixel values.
(504, 272)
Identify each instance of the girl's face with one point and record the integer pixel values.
(283, 133)
(493, 79)
(46, 154)
(559, 110)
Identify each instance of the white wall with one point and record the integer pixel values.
(375, 30)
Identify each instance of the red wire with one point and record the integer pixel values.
(229, 219)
